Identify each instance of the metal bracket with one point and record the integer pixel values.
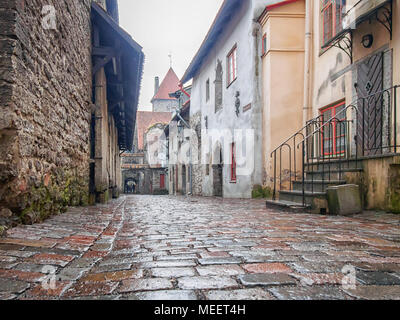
(386, 18)
(345, 43)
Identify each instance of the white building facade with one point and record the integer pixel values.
(226, 98)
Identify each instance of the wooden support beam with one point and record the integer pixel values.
(100, 63)
(104, 51)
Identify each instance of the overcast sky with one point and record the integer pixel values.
(162, 27)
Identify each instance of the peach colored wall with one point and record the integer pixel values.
(283, 74)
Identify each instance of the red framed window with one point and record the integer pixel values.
(232, 65)
(264, 44)
(332, 18)
(333, 135)
(233, 162)
(162, 181)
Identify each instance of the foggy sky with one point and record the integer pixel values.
(162, 27)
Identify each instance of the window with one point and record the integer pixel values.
(232, 65)
(233, 162)
(218, 86)
(208, 90)
(332, 18)
(334, 135)
(264, 44)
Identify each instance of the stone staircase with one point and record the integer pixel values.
(318, 177)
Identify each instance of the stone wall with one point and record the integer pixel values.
(45, 96)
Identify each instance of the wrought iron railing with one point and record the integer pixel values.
(367, 127)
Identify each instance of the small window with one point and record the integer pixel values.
(208, 90)
(334, 136)
(207, 169)
(233, 162)
(218, 86)
(264, 44)
(332, 18)
(232, 65)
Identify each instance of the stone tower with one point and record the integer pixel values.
(161, 101)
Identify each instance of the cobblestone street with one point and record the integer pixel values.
(159, 247)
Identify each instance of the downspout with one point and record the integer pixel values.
(190, 149)
(307, 106)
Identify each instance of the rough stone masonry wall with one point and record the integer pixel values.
(45, 95)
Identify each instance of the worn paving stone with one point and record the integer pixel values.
(111, 268)
(267, 268)
(173, 272)
(145, 285)
(22, 275)
(113, 276)
(90, 289)
(310, 279)
(7, 296)
(15, 253)
(209, 282)
(375, 292)
(216, 254)
(177, 257)
(7, 259)
(220, 270)
(309, 293)
(13, 286)
(168, 264)
(176, 295)
(377, 278)
(240, 294)
(83, 263)
(216, 261)
(317, 267)
(265, 279)
(38, 291)
(71, 274)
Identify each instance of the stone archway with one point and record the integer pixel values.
(218, 177)
(130, 186)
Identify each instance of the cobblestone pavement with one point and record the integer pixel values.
(143, 247)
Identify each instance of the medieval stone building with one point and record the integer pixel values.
(144, 170)
(69, 87)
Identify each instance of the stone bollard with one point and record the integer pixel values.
(344, 200)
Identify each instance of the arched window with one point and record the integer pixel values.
(218, 86)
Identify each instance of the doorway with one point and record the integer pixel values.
(218, 178)
(371, 104)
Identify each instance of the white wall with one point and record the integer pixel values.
(239, 32)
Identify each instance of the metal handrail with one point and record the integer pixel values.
(345, 125)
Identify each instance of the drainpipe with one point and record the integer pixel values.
(307, 106)
(190, 149)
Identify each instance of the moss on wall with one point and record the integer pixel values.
(53, 196)
(394, 188)
(260, 192)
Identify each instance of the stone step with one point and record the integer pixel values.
(329, 175)
(316, 185)
(287, 206)
(333, 164)
(297, 196)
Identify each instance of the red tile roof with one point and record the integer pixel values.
(169, 84)
(145, 120)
